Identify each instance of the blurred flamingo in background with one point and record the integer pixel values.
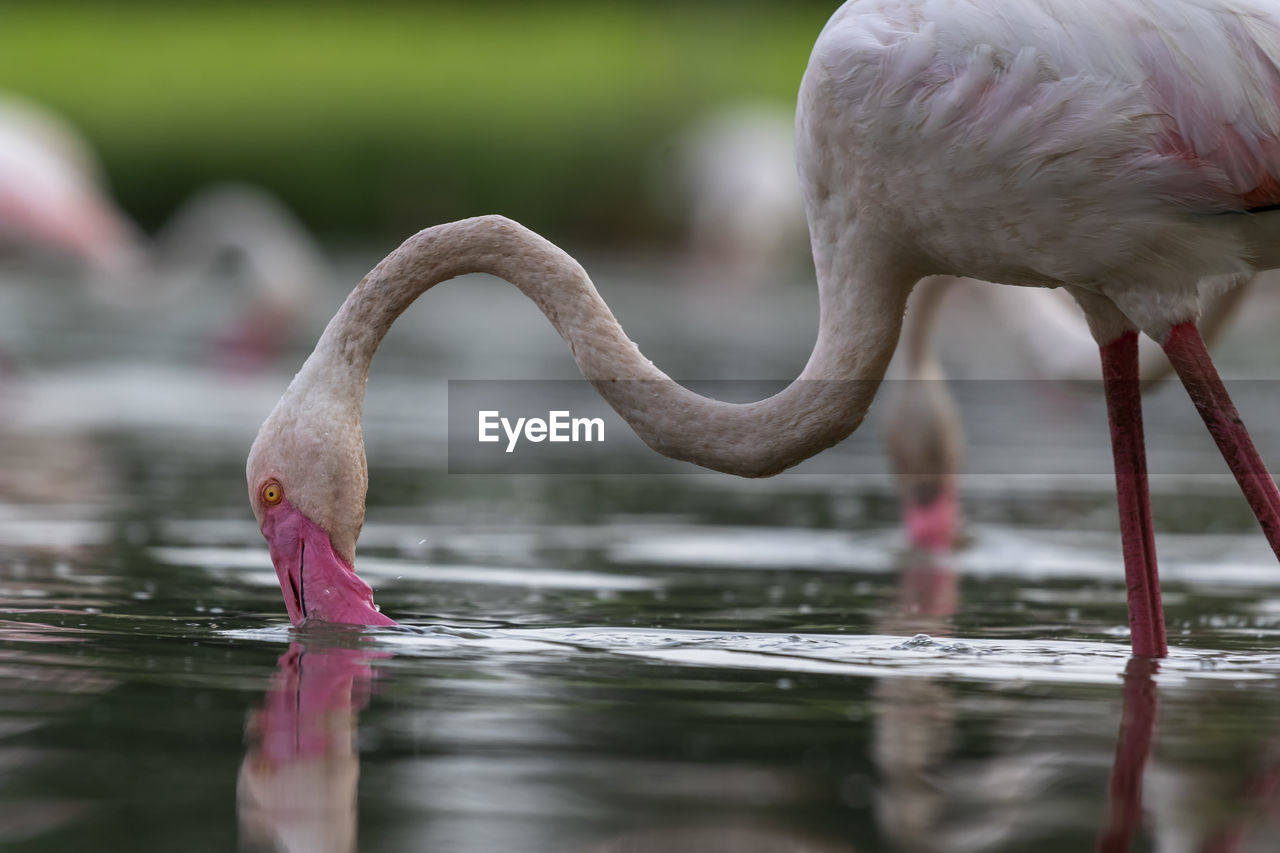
(730, 180)
(53, 195)
(53, 199)
(740, 198)
(279, 265)
(924, 434)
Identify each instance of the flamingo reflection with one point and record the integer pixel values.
(915, 730)
(916, 716)
(297, 784)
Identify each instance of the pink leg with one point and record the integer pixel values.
(1142, 578)
(1187, 354)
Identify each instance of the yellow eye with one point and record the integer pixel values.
(272, 493)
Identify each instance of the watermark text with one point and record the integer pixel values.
(559, 426)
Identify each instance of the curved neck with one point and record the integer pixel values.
(920, 361)
(924, 433)
(861, 317)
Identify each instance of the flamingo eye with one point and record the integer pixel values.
(272, 493)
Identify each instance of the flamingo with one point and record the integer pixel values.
(738, 180)
(924, 434)
(1042, 143)
(732, 176)
(53, 197)
(281, 262)
(51, 191)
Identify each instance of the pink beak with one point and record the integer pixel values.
(316, 582)
(933, 525)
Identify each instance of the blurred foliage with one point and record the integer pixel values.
(379, 119)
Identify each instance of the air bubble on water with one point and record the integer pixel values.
(917, 642)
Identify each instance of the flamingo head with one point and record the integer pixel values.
(307, 481)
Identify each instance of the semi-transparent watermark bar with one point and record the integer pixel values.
(1009, 427)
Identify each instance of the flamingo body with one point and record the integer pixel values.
(1044, 143)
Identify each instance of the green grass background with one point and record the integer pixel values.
(382, 118)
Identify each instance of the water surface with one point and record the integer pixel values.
(592, 663)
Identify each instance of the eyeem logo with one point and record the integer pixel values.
(560, 426)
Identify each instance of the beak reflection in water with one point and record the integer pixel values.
(298, 780)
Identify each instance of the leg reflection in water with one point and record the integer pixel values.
(932, 797)
(1138, 722)
(916, 716)
(297, 785)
